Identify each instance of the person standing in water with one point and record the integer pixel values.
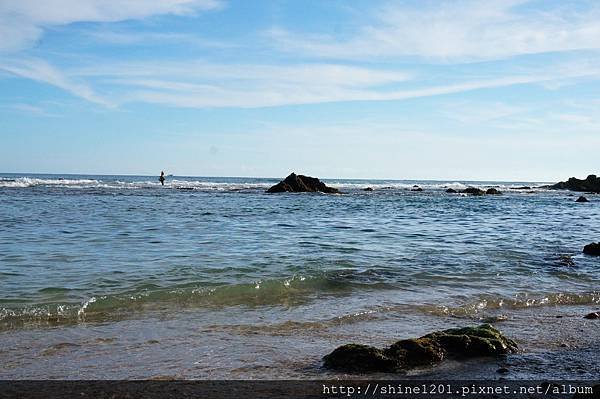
(162, 177)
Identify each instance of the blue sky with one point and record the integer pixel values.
(493, 90)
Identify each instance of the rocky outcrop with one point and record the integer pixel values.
(592, 249)
(451, 191)
(582, 199)
(301, 184)
(417, 189)
(590, 184)
(457, 343)
(368, 189)
(592, 316)
(473, 191)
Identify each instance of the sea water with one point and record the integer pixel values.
(120, 277)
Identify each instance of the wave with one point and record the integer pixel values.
(176, 184)
(22, 182)
(294, 290)
(251, 185)
(487, 304)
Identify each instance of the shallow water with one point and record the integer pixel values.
(211, 277)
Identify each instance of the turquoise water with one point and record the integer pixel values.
(95, 252)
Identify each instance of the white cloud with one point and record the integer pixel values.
(458, 30)
(199, 84)
(22, 22)
(41, 71)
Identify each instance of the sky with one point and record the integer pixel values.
(423, 89)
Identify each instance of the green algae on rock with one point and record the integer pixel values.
(458, 343)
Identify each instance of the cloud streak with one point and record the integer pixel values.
(23, 22)
(457, 31)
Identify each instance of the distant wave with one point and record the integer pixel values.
(241, 185)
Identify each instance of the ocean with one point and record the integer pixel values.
(120, 277)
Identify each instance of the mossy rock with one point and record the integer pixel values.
(459, 343)
(361, 358)
(416, 352)
(484, 340)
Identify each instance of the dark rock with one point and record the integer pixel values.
(493, 191)
(521, 188)
(361, 358)
(367, 189)
(582, 199)
(566, 260)
(592, 316)
(301, 184)
(484, 340)
(473, 191)
(451, 191)
(415, 186)
(590, 184)
(460, 343)
(592, 249)
(502, 370)
(417, 189)
(416, 352)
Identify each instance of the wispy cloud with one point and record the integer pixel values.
(29, 109)
(125, 38)
(459, 30)
(41, 71)
(23, 22)
(251, 86)
(200, 84)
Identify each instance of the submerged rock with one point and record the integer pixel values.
(458, 343)
(592, 316)
(417, 189)
(566, 260)
(590, 184)
(521, 188)
(592, 249)
(301, 184)
(493, 191)
(355, 357)
(367, 189)
(451, 191)
(473, 191)
(582, 199)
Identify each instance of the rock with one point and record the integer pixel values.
(566, 260)
(521, 188)
(354, 357)
(467, 342)
(493, 191)
(367, 189)
(451, 191)
(410, 353)
(502, 370)
(592, 316)
(417, 189)
(301, 184)
(582, 199)
(473, 191)
(592, 249)
(459, 343)
(590, 184)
